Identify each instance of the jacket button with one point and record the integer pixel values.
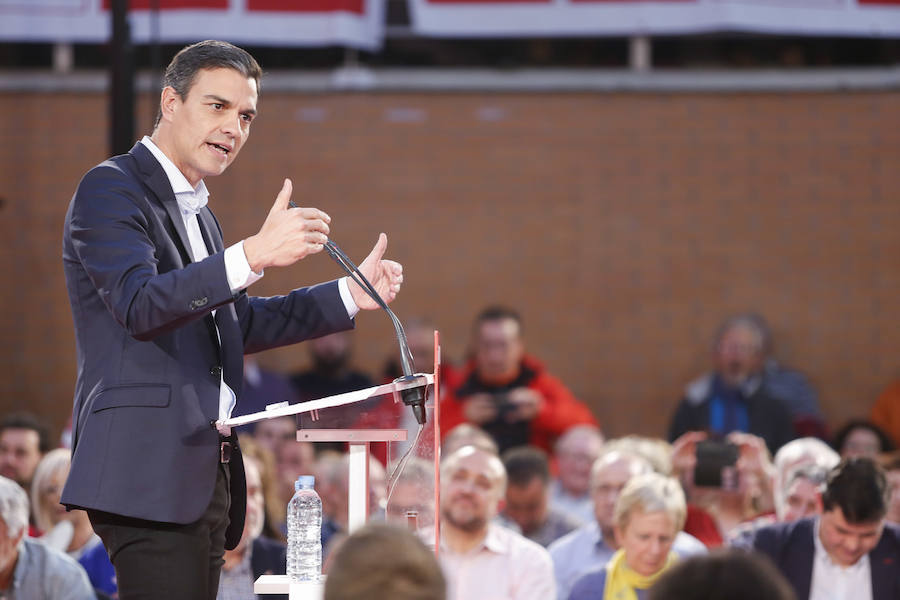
(216, 371)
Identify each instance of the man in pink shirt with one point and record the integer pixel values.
(481, 559)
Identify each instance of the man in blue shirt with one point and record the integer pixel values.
(28, 569)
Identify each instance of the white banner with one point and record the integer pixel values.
(524, 18)
(353, 23)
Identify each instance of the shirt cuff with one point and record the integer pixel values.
(347, 297)
(237, 269)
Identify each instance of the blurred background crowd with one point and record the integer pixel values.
(664, 266)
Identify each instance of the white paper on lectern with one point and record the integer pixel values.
(422, 379)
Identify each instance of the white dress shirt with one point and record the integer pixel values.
(506, 566)
(831, 581)
(237, 269)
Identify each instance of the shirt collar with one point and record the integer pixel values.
(190, 199)
(494, 541)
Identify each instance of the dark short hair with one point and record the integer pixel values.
(723, 574)
(524, 463)
(23, 420)
(498, 313)
(208, 54)
(859, 488)
(840, 436)
(384, 562)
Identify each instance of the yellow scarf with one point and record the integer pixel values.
(622, 581)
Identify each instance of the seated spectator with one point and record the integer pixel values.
(575, 453)
(847, 552)
(802, 497)
(481, 559)
(332, 474)
(466, 434)
(886, 411)
(331, 371)
(658, 453)
(727, 573)
(275, 512)
(507, 393)
(797, 453)
(528, 498)
(30, 570)
(592, 545)
(412, 496)
(891, 467)
(861, 438)
(732, 492)
(271, 434)
(262, 387)
(734, 396)
(362, 569)
(24, 440)
(648, 515)
(68, 531)
(255, 555)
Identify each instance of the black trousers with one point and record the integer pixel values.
(168, 561)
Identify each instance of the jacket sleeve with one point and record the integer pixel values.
(111, 232)
(560, 410)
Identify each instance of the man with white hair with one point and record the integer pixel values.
(794, 454)
(29, 570)
(482, 559)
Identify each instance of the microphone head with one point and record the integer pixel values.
(414, 397)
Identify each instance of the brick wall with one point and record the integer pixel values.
(624, 227)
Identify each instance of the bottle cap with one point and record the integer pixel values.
(304, 481)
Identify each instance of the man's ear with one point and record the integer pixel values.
(169, 101)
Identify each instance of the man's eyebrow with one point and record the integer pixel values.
(217, 99)
(223, 101)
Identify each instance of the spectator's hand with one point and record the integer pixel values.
(755, 469)
(479, 409)
(684, 456)
(526, 402)
(386, 276)
(287, 235)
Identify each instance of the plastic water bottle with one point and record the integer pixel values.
(304, 520)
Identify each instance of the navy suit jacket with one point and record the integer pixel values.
(148, 357)
(791, 548)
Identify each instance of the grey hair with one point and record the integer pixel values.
(13, 508)
(752, 321)
(649, 493)
(53, 462)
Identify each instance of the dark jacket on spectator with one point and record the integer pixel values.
(767, 417)
(792, 548)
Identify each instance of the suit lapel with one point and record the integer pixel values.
(210, 231)
(156, 179)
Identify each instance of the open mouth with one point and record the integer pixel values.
(223, 150)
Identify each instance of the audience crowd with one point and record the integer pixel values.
(746, 496)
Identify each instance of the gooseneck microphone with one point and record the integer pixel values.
(413, 397)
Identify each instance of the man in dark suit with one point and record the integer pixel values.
(848, 551)
(162, 321)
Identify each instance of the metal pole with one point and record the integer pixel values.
(121, 97)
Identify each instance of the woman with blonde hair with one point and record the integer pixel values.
(649, 513)
(68, 531)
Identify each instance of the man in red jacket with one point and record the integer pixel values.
(508, 393)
